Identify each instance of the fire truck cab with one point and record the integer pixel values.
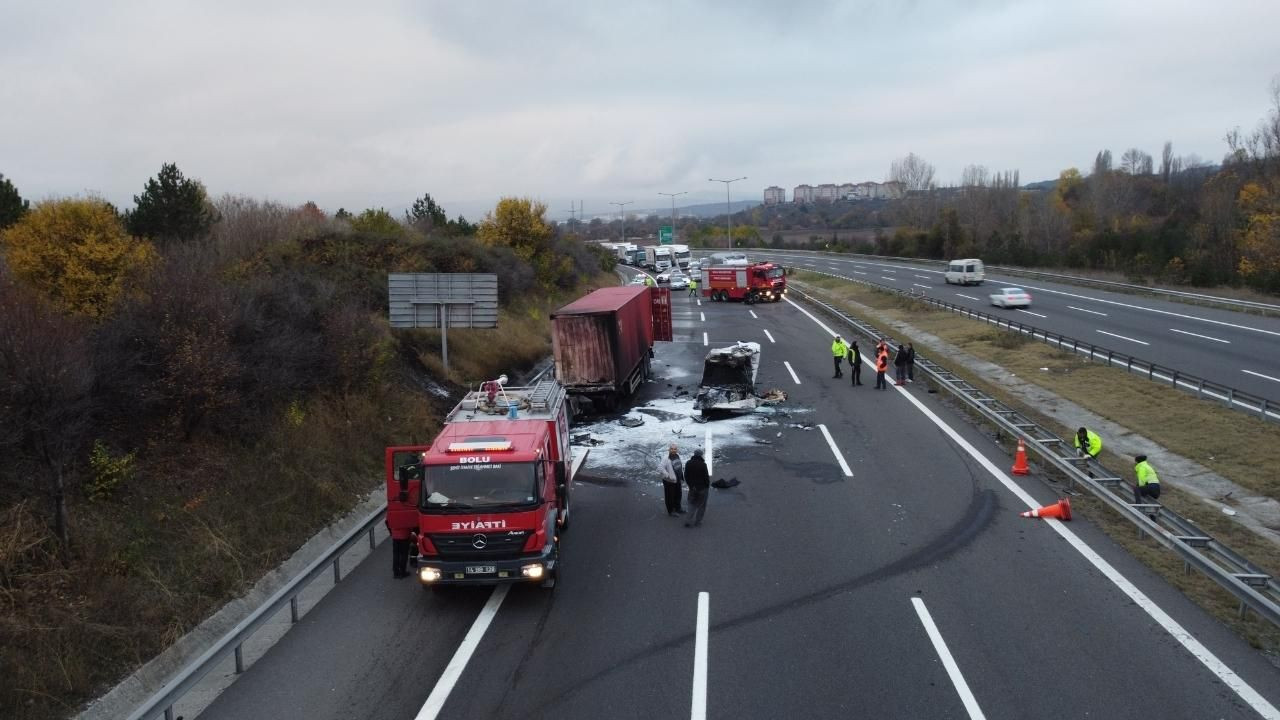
(757, 282)
(487, 501)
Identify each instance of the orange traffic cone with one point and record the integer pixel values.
(1020, 460)
(1060, 510)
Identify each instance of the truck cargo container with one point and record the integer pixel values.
(680, 256)
(603, 342)
(657, 257)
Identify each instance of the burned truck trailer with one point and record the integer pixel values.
(603, 341)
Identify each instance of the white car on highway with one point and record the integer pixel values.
(638, 279)
(1011, 297)
(678, 281)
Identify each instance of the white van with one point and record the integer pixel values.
(965, 272)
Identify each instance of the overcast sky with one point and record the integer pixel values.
(372, 104)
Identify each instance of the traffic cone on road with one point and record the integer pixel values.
(1060, 510)
(1020, 459)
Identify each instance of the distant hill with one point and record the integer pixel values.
(708, 210)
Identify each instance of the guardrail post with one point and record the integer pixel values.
(1109, 354)
(1244, 610)
(371, 543)
(1174, 375)
(293, 609)
(1075, 345)
(168, 713)
(337, 569)
(1129, 365)
(1151, 372)
(1231, 397)
(239, 658)
(1262, 409)
(1200, 389)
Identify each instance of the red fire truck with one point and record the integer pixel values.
(488, 500)
(757, 282)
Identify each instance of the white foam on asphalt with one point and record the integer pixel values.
(634, 452)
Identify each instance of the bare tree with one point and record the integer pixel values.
(915, 174)
(1135, 162)
(1166, 162)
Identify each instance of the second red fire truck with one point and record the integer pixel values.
(752, 283)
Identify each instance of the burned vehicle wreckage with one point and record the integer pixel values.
(729, 381)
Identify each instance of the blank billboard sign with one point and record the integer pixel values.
(416, 300)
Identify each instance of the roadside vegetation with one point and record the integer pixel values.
(1236, 446)
(191, 388)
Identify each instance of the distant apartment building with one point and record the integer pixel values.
(774, 195)
(845, 192)
(802, 194)
(826, 192)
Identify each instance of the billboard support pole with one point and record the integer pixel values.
(444, 335)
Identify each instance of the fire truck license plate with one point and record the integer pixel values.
(481, 569)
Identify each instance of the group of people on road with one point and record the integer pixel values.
(904, 362)
(692, 473)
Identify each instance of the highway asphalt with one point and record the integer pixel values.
(907, 587)
(1234, 349)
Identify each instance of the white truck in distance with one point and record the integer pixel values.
(680, 256)
(657, 257)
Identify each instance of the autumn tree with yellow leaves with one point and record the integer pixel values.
(76, 252)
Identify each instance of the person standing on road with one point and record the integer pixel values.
(672, 472)
(1088, 442)
(900, 366)
(693, 287)
(911, 362)
(855, 361)
(699, 480)
(648, 280)
(838, 351)
(882, 367)
(1148, 483)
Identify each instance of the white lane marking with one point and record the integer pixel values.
(461, 656)
(966, 296)
(891, 271)
(699, 708)
(753, 314)
(699, 303)
(706, 451)
(1122, 337)
(1154, 310)
(1203, 337)
(833, 267)
(844, 466)
(1265, 377)
(793, 372)
(923, 286)
(924, 277)
(1171, 626)
(858, 272)
(948, 662)
(766, 334)
(702, 316)
(888, 278)
(704, 338)
(1091, 312)
(1031, 313)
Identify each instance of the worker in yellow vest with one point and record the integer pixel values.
(838, 351)
(1088, 442)
(1148, 482)
(693, 287)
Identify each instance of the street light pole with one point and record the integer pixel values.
(623, 216)
(673, 197)
(728, 212)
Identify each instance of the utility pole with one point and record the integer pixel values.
(623, 216)
(571, 211)
(728, 212)
(673, 197)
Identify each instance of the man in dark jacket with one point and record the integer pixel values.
(900, 366)
(911, 362)
(855, 360)
(699, 482)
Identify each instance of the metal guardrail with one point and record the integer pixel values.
(1234, 399)
(1251, 585)
(1074, 279)
(233, 641)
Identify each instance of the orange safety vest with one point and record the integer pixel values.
(882, 362)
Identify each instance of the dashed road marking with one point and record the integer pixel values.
(1264, 377)
(1091, 312)
(753, 314)
(704, 338)
(461, 656)
(1122, 337)
(844, 466)
(793, 372)
(966, 296)
(769, 335)
(1204, 337)
(698, 710)
(948, 662)
(702, 316)
(1031, 313)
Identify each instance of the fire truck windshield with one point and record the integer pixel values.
(774, 273)
(480, 485)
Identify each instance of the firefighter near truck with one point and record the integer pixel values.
(751, 283)
(488, 500)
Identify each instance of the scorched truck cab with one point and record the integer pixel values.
(488, 500)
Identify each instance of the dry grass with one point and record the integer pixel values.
(1231, 444)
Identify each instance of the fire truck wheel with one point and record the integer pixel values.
(562, 520)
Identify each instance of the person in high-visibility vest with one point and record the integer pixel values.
(693, 287)
(648, 280)
(838, 351)
(882, 367)
(855, 362)
(1088, 442)
(1148, 482)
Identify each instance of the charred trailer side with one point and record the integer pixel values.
(603, 342)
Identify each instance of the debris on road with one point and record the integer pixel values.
(631, 421)
(723, 484)
(729, 379)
